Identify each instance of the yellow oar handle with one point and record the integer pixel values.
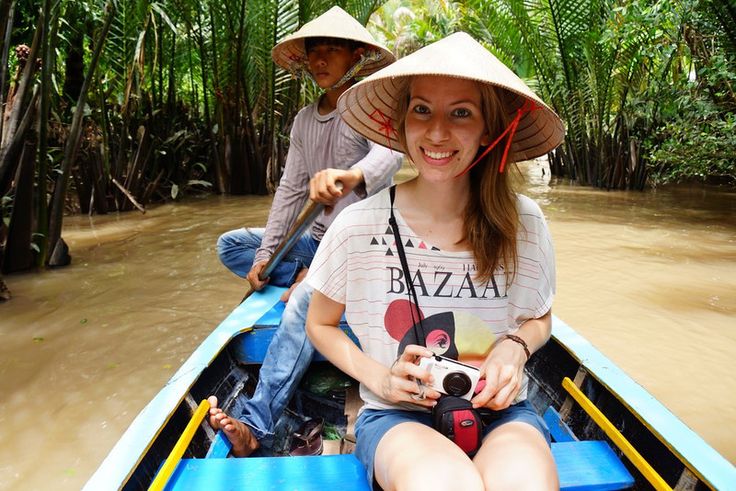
(618, 439)
(174, 457)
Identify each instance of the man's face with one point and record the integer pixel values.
(328, 63)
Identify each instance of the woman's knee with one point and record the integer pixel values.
(516, 457)
(440, 474)
(418, 458)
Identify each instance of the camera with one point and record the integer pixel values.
(451, 377)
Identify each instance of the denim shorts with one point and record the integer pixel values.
(372, 424)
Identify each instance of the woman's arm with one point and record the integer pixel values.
(503, 368)
(392, 384)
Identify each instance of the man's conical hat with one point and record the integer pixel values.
(290, 54)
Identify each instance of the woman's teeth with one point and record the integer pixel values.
(437, 155)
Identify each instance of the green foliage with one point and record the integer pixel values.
(700, 149)
(406, 25)
(696, 139)
(617, 72)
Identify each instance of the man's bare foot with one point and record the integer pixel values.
(243, 441)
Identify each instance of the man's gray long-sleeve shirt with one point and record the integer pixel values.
(321, 142)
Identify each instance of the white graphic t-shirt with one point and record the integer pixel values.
(357, 265)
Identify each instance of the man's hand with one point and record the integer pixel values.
(323, 186)
(255, 282)
(299, 277)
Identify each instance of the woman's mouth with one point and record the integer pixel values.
(435, 155)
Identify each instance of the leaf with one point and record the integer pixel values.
(174, 191)
(193, 182)
(157, 7)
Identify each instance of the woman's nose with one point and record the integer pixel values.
(437, 129)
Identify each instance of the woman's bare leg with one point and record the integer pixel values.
(515, 456)
(412, 456)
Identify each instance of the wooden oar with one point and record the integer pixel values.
(305, 220)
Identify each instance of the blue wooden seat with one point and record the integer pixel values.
(581, 465)
(589, 465)
(326, 472)
(584, 465)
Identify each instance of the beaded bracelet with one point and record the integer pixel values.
(516, 339)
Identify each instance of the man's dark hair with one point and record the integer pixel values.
(313, 42)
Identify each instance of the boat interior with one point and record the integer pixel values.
(582, 414)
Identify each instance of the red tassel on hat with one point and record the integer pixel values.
(528, 107)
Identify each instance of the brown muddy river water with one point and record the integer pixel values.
(648, 278)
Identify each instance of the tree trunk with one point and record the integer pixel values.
(17, 102)
(18, 252)
(7, 12)
(56, 215)
(74, 68)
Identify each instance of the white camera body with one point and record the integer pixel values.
(451, 377)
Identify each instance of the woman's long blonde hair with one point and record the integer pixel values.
(491, 216)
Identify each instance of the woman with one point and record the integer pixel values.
(479, 258)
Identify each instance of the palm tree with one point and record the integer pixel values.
(593, 61)
(175, 95)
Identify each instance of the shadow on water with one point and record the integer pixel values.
(649, 278)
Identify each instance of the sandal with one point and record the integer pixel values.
(347, 444)
(307, 440)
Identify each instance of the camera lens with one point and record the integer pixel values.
(456, 384)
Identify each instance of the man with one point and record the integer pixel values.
(334, 48)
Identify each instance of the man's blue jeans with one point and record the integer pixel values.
(286, 361)
(290, 352)
(237, 250)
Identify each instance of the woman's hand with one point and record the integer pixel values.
(503, 371)
(400, 382)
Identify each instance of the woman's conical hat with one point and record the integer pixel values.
(370, 106)
(290, 54)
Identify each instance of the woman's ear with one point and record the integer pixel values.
(485, 140)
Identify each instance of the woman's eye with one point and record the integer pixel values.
(461, 112)
(420, 109)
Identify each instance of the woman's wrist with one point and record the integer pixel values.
(516, 339)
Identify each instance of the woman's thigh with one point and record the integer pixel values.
(407, 453)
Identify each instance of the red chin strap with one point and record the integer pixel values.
(527, 107)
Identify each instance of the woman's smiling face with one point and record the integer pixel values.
(444, 125)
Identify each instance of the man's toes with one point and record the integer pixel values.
(216, 419)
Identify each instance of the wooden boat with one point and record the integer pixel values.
(608, 432)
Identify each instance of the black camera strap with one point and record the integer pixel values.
(405, 266)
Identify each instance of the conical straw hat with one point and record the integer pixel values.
(369, 106)
(290, 54)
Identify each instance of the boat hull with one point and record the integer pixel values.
(226, 365)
